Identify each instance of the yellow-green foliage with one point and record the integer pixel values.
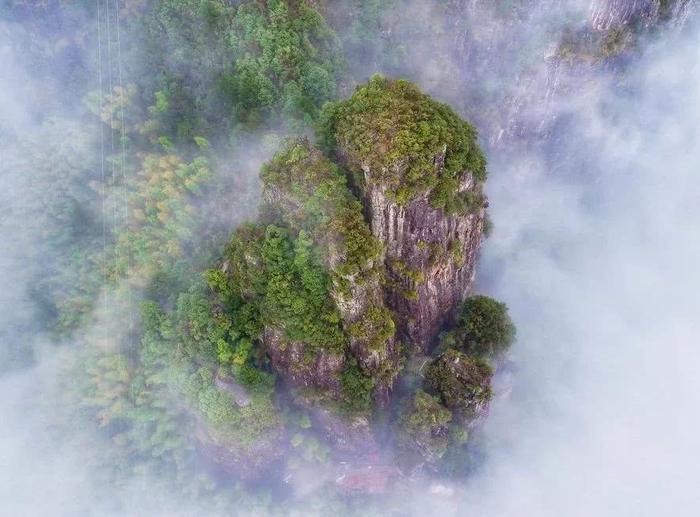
(423, 426)
(457, 252)
(162, 208)
(400, 267)
(319, 201)
(399, 132)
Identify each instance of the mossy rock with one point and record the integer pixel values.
(412, 144)
(423, 426)
(463, 383)
(305, 190)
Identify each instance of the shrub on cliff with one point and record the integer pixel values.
(275, 278)
(423, 426)
(483, 328)
(463, 383)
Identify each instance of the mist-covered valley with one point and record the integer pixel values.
(370, 258)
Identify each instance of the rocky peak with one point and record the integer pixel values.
(375, 231)
(419, 172)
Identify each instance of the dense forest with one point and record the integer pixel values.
(251, 232)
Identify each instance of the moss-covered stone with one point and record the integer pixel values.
(424, 426)
(463, 383)
(375, 326)
(306, 191)
(413, 144)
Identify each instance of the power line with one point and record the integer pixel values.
(111, 138)
(102, 153)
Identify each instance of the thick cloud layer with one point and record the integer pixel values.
(599, 267)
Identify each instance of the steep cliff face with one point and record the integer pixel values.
(308, 193)
(608, 14)
(419, 173)
(430, 258)
(535, 78)
(576, 59)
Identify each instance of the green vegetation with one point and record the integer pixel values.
(483, 328)
(356, 390)
(288, 287)
(461, 382)
(291, 272)
(194, 334)
(459, 377)
(315, 197)
(423, 426)
(251, 63)
(191, 371)
(403, 136)
(375, 327)
(161, 213)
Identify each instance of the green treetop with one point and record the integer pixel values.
(400, 133)
(483, 328)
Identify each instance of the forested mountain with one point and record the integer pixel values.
(246, 234)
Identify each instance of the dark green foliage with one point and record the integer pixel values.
(400, 133)
(462, 382)
(483, 328)
(215, 62)
(276, 279)
(288, 57)
(175, 344)
(297, 291)
(356, 390)
(205, 335)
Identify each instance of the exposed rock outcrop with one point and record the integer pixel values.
(419, 172)
(303, 367)
(462, 383)
(609, 14)
(430, 258)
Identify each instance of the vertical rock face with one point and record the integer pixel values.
(341, 259)
(320, 370)
(418, 171)
(606, 14)
(429, 255)
(308, 193)
(609, 14)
